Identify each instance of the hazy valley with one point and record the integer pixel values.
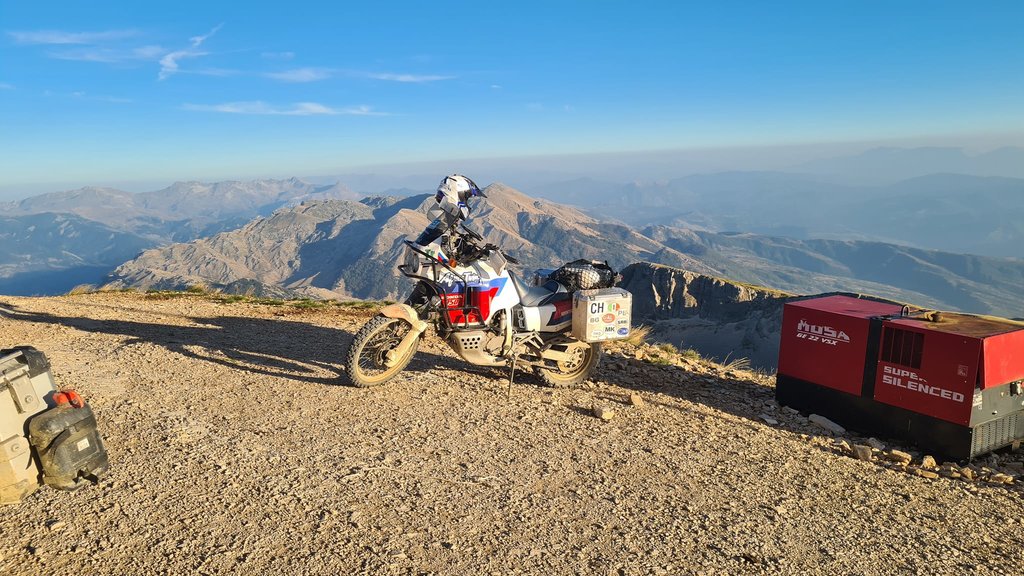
(941, 240)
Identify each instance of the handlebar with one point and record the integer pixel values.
(469, 232)
(473, 235)
(468, 250)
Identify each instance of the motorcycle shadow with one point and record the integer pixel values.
(273, 347)
(277, 347)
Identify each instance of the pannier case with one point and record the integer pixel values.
(26, 389)
(601, 315)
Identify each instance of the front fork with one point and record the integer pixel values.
(417, 328)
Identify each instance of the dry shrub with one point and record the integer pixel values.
(82, 289)
(736, 364)
(638, 335)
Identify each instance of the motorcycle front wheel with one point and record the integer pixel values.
(365, 360)
(573, 371)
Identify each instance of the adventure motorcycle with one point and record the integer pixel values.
(486, 313)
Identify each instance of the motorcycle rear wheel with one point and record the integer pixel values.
(573, 372)
(364, 361)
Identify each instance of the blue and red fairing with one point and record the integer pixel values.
(481, 297)
(562, 313)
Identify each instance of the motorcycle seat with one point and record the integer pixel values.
(548, 293)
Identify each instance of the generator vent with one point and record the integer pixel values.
(995, 434)
(902, 347)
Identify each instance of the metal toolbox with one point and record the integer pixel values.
(601, 315)
(26, 389)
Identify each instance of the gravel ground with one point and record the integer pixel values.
(236, 447)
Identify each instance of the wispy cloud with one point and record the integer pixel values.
(197, 41)
(6, 86)
(169, 62)
(413, 78)
(107, 47)
(301, 75)
(64, 37)
(109, 55)
(260, 108)
(310, 74)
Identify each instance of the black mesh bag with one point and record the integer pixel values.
(584, 275)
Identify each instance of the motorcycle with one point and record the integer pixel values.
(485, 312)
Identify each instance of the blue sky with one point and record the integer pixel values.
(94, 92)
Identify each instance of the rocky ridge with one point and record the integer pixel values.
(351, 249)
(718, 318)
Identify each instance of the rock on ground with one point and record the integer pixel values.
(826, 424)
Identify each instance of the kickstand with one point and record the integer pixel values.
(511, 376)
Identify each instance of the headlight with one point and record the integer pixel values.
(412, 261)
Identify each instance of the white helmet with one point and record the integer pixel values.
(454, 192)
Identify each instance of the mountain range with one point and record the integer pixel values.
(795, 232)
(890, 164)
(350, 249)
(951, 212)
(54, 241)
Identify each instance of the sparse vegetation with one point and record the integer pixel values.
(267, 301)
(736, 364)
(166, 294)
(300, 303)
(689, 354)
(361, 304)
(230, 298)
(666, 353)
(309, 303)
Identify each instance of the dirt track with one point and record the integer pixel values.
(236, 448)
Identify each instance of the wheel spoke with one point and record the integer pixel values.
(374, 352)
(574, 363)
(579, 364)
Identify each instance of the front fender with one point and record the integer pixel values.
(407, 313)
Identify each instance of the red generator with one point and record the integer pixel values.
(951, 383)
